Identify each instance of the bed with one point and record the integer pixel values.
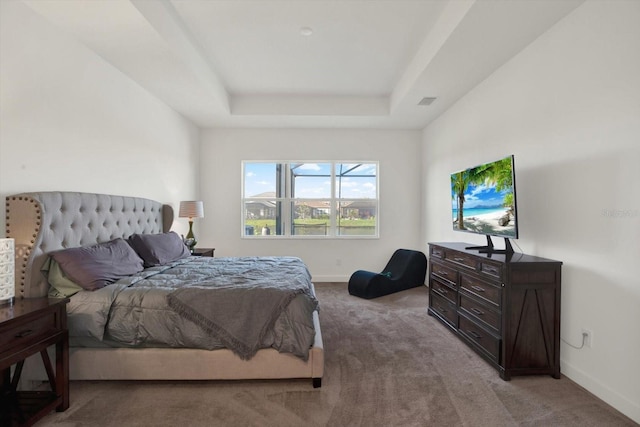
(44, 224)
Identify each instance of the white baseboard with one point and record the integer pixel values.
(613, 398)
(320, 279)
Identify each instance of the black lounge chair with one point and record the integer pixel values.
(406, 269)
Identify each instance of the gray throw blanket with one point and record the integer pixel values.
(260, 292)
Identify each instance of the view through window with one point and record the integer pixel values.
(320, 199)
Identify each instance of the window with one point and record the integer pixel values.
(312, 199)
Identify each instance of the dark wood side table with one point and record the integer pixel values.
(27, 327)
(203, 252)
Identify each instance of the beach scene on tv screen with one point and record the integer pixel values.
(483, 199)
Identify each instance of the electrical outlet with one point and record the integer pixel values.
(587, 338)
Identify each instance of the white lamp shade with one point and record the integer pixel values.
(191, 209)
(7, 270)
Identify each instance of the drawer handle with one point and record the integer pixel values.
(24, 333)
(442, 273)
(477, 288)
(475, 335)
(476, 311)
(440, 309)
(458, 259)
(441, 291)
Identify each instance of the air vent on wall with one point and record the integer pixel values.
(427, 100)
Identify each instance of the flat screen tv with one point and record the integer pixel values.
(484, 202)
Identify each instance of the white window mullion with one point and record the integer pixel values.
(334, 206)
(287, 213)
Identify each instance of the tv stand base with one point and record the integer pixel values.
(489, 248)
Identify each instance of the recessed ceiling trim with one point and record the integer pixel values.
(162, 16)
(451, 17)
(309, 105)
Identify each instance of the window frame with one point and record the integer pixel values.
(285, 219)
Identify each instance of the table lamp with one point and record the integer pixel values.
(7, 271)
(191, 209)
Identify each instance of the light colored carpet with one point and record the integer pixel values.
(387, 364)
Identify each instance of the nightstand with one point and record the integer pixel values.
(203, 252)
(28, 327)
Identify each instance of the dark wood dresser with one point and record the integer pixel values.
(28, 327)
(505, 307)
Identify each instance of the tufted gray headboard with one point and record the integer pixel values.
(47, 221)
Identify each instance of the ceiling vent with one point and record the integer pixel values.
(427, 100)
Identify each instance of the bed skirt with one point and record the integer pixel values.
(185, 364)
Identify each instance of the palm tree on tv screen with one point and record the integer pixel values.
(497, 173)
(502, 176)
(459, 184)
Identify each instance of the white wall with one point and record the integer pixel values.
(398, 152)
(568, 107)
(70, 121)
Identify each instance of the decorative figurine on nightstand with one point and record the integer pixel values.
(191, 209)
(190, 242)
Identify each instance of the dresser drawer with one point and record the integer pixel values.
(444, 308)
(446, 273)
(491, 269)
(462, 259)
(436, 251)
(489, 343)
(489, 317)
(443, 290)
(487, 291)
(17, 334)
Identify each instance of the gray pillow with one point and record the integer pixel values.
(159, 249)
(94, 267)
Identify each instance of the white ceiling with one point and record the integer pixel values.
(245, 63)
